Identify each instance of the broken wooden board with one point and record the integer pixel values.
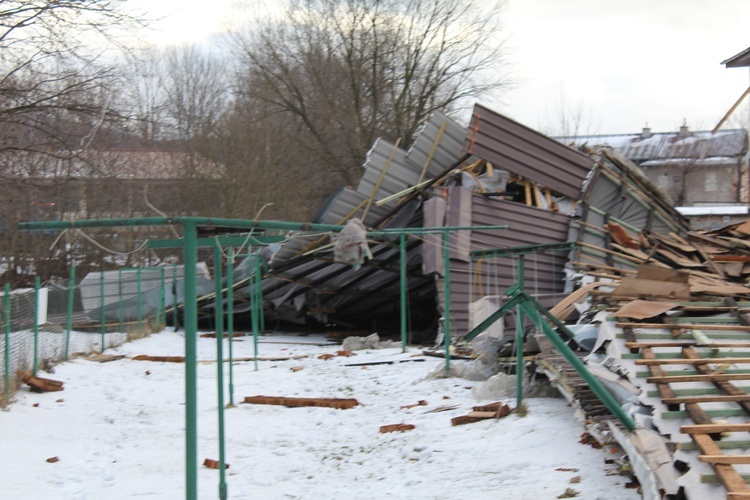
(165, 359)
(39, 384)
(338, 403)
(396, 428)
(642, 309)
(634, 287)
(104, 358)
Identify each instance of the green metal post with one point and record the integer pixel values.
(6, 321)
(119, 296)
(230, 321)
(174, 297)
(447, 299)
(162, 315)
(36, 323)
(404, 289)
(71, 298)
(190, 251)
(102, 317)
(519, 333)
(140, 300)
(219, 311)
(256, 309)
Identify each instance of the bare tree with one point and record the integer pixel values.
(347, 72)
(57, 82)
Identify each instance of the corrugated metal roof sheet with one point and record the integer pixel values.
(401, 172)
(516, 148)
(738, 60)
(660, 146)
(450, 144)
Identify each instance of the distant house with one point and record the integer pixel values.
(706, 175)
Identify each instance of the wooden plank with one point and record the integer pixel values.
(686, 361)
(731, 479)
(339, 403)
(714, 428)
(725, 387)
(715, 377)
(717, 398)
(651, 288)
(685, 326)
(687, 343)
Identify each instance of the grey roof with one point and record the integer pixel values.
(665, 145)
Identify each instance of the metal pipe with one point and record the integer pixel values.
(219, 324)
(190, 250)
(36, 323)
(519, 334)
(6, 306)
(119, 296)
(140, 301)
(102, 316)
(447, 299)
(71, 298)
(404, 289)
(230, 321)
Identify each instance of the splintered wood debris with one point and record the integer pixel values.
(39, 384)
(339, 403)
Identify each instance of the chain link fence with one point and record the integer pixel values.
(43, 326)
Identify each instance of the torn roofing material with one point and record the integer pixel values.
(521, 150)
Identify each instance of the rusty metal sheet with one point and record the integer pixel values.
(510, 146)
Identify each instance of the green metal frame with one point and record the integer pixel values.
(527, 306)
(190, 245)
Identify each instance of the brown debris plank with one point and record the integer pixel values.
(396, 428)
(725, 459)
(711, 398)
(339, 403)
(666, 393)
(714, 377)
(39, 384)
(724, 386)
(686, 343)
(688, 361)
(731, 479)
(684, 326)
(165, 359)
(714, 428)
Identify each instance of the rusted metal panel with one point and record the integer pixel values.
(510, 146)
(528, 226)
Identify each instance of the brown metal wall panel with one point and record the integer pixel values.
(516, 148)
(528, 226)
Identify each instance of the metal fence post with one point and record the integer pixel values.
(230, 321)
(140, 302)
(102, 316)
(6, 320)
(71, 299)
(36, 323)
(190, 258)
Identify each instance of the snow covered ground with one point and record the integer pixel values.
(118, 430)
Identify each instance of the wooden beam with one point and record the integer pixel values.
(684, 326)
(714, 377)
(687, 343)
(725, 459)
(686, 361)
(732, 480)
(717, 398)
(714, 428)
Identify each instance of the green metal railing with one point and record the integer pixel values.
(527, 306)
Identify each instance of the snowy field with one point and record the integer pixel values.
(118, 430)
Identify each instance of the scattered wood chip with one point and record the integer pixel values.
(496, 410)
(339, 403)
(52, 460)
(396, 428)
(346, 354)
(575, 480)
(39, 384)
(296, 368)
(325, 357)
(213, 464)
(61, 400)
(567, 469)
(35, 405)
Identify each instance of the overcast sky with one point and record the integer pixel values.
(620, 64)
